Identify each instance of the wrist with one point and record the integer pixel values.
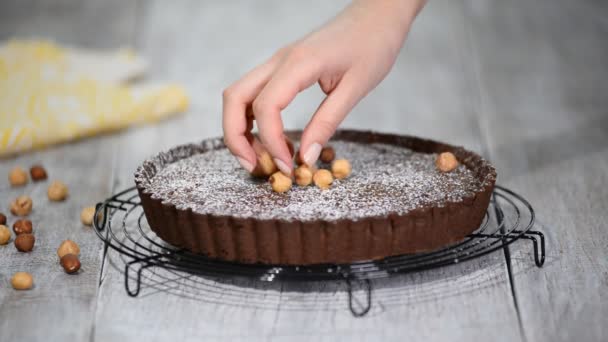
(393, 17)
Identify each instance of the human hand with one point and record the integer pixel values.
(348, 57)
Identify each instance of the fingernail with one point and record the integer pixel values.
(312, 154)
(245, 164)
(282, 166)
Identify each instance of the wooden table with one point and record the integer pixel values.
(522, 82)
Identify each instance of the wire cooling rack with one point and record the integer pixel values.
(121, 224)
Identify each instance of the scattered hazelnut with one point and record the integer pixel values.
(446, 162)
(327, 154)
(323, 179)
(303, 175)
(5, 234)
(86, 216)
(70, 263)
(57, 191)
(22, 281)
(21, 206)
(265, 166)
(2, 218)
(341, 168)
(68, 247)
(38, 173)
(22, 226)
(17, 177)
(25, 242)
(279, 182)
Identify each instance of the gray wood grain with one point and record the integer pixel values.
(86, 23)
(60, 306)
(207, 46)
(543, 111)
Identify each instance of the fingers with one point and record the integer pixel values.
(328, 117)
(290, 78)
(236, 124)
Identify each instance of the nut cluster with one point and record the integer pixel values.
(22, 281)
(327, 154)
(70, 263)
(38, 173)
(25, 240)
(18, 176)
(265, 166)
(303, 175)
(446, 162)
(86, 215)
(5, 234)
(279, 182)
(323, 179)
(68, 247)
(57, 191)
(307, 174)
(21, 206)
(341, 168)
(22, 226)
(68, 253)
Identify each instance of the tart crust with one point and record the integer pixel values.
(275, 241)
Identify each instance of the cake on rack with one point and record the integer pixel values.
(395, 202)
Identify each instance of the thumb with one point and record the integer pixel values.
(328, 117)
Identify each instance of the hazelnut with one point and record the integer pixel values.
(265, 166)
(57, 191)
(17, 177)
(323, 179)
(341, 168)
(86, 216)
(5, 234)
(22, 281)
(289, 146)
(327, 154)
(22, 227)
(279, 182)
(303, 175)
(298, 159)
(21, 206)
(38, 173)
(70, 263)
(2, 218)
(446, 162)
(25, 242)
(68, 247)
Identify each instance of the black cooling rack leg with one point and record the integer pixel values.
(539, 258)
(134, 293)
(100, 215)
(368, 302)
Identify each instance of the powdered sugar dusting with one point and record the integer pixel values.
(386, 179)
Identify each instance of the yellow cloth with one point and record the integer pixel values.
(51, 94)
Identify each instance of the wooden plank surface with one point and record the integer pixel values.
(60, 306)
(190, 43)
(542, 68)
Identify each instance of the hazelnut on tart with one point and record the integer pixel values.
(384, 195)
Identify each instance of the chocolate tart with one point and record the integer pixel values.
(395, 202)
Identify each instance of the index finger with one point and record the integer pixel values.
(236, 99)
(282, 88)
